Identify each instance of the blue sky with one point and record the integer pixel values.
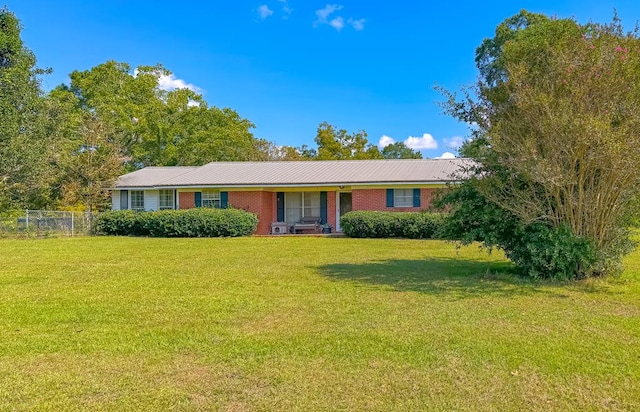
(288, 65)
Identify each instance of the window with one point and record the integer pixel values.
(301, 204)
(210, 198)
(137, 199)
(167, 198)
(311, 204)
(403, 198)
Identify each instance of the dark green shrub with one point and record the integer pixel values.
(373, 224)
(542, 251)
(538, 249)
(120, 223)
(200, 222)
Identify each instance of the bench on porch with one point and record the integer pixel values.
(307, 223)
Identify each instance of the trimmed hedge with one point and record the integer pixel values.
(199, 222)
(412, 225)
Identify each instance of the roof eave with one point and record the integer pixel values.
(274, 185)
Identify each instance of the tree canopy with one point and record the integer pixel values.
(24, 148)
(399, 150)
(157, 127)
(556, 119)
(338, 144)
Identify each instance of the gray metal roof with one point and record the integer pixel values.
(152, 176)
(313, 173)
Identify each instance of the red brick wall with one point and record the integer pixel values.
(425, 197)
(376, 199)
(260, 203)
(331, 209)
(368, 199)
(186, 200)
(264, 204)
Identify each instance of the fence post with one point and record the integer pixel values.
(72, 225)
(26, 212)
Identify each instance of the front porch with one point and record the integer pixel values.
(305, 225)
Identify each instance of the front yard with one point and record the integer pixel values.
(304, 324)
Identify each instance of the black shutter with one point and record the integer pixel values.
(323, 207)
(389, 197)
(416, 197)
(280, 206)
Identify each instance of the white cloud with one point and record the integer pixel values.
(264, 11)
(337, 23)
(171, 82)
(446, 155)
(193, 103)
(425, 142)
(455, 142)
(385, 141)
(285, 8)
(323, 14)
(358, 25)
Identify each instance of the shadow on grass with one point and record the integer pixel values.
(453, 278)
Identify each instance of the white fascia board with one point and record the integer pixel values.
(254, 186)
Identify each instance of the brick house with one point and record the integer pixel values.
(282, 193)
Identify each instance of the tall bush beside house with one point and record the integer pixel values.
(200, 222)
(554, 120)
(538, 249)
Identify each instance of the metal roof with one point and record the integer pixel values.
(312, 173)
(152, 176)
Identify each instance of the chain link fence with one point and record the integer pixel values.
(45, 222)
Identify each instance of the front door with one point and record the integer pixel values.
(344, 206)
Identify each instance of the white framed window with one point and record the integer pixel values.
(167, 199)
(211, 198)
(137, 199)
(301, 204)
(403, 198)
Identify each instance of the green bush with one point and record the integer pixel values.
(538, 249)
(543, 251)
(120, 223)
(200, 222)
(412, 225)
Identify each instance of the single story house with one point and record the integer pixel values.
(282, 193)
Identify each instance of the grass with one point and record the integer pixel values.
(304, 324)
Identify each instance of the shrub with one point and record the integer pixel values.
(543, 251)
(120, 223)
(373, 224)
(538, 249)
(200, 222)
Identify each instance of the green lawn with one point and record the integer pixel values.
(306, 324)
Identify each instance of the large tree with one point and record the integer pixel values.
(158, 127)
(557, 120)
(93, 162)
(334, 144)
(24, 146)
(399, 150)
